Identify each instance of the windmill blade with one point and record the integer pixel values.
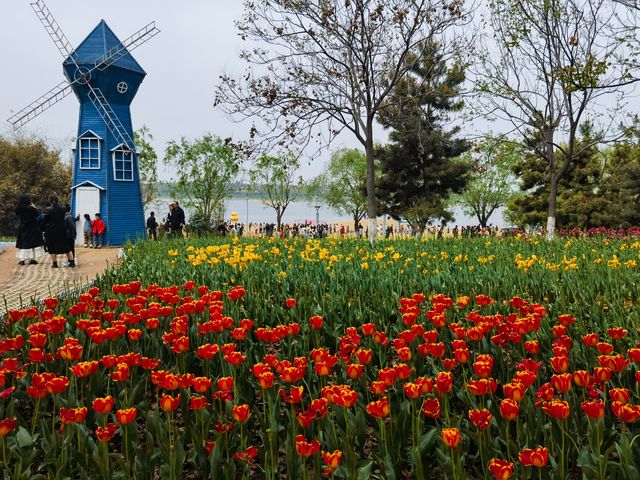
(109, 116)
(53, 29)
(142, 36)
(38, 106)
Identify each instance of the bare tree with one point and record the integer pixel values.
(317, 68)
(551, 66)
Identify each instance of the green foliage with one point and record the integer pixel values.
(206, 170)
(199, 224)
(29, 167)
(275, 177)
(421, 167)
(619, 189)
(552, 66)
(342, 184)
(492, 181)
(147, 163)
(579, 190)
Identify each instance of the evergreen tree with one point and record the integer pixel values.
(578, 191)
(419, 167)
(619, 192)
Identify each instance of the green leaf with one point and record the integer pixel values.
(23, 438)
(427, 441)
(389, 468)
(364, 472)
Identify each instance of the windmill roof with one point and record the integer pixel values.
(100, 41)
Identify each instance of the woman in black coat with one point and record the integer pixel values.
(29, 243)
(55, 232)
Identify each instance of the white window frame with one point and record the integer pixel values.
(80, 149)
(122, 149)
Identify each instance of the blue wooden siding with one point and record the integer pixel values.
(121, 201)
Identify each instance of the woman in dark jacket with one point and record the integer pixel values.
(29, 243)
(55, 232)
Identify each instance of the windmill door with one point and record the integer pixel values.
(87, 201)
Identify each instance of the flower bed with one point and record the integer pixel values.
(294, 360)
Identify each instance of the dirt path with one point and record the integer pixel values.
(21, 285)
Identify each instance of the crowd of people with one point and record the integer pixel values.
(173, 225)
(52, 231)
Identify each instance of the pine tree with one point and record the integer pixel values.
(419, 168)
(578, 191)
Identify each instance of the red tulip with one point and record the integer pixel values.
(431, 408)
(7, 426)
(106, 433)
(480, 418)
(306, 449)
(73, 415)
(509, 409)
(537, 457)
(594, 408)
(501, 469)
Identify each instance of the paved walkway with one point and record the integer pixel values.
(22, 285)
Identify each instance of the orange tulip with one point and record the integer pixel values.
(332, 459)
(225, 384)
(169, 403)
(241, 413)
(103, 405)
(451, 437)
(379, 408)
(558, 409)
(126, 416)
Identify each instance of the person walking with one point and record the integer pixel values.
(29, 242)
(55, 232)
(70, 230)
(97, 226)
(177, 220)
(152, 226)
(87, 231)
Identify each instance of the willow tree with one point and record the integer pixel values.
(551, 66)
(316, 69)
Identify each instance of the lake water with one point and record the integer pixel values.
(254, 211)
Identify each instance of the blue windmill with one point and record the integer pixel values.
(105, 79)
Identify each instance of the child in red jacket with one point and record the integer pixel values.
(98, 230)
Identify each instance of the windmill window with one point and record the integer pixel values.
(123, 164)
(90, 153)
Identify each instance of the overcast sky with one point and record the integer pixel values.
(197, 43)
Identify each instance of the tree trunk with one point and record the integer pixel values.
(553, 204)
(371, 184)
(279, 218)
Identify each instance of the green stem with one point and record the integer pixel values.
(562, 466)
(506, 437)
(4, 453)
(35, 417)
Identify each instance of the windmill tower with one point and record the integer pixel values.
(105, 78)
